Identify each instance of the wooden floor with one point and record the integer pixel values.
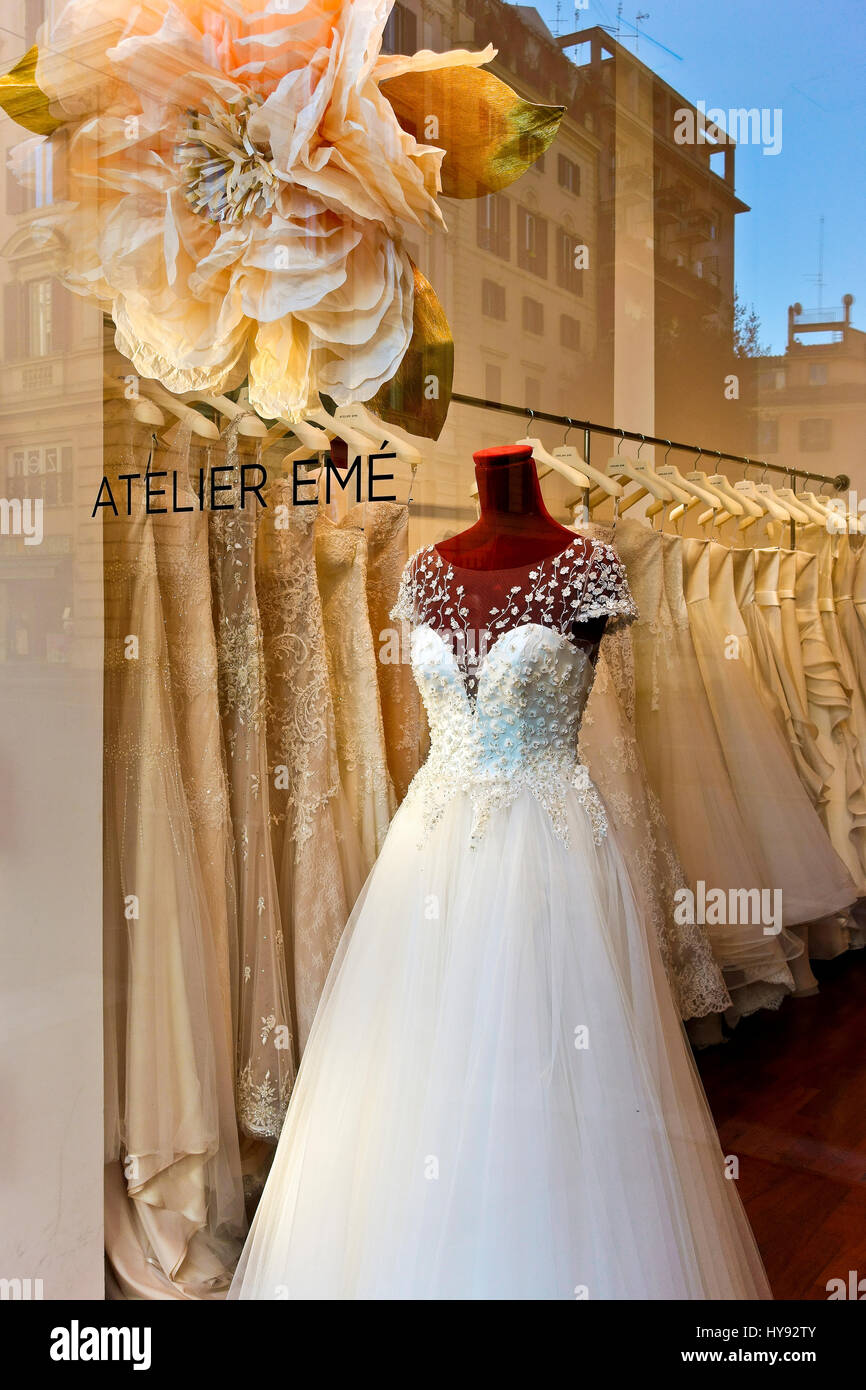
(788, 1092)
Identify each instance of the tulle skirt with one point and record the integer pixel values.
(497, 1099)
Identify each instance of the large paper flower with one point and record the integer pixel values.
(243, 175)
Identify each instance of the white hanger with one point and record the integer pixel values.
(358, 417)
(696, 492)
(766, 500)
(735, 502)
(251, 425)
(173, 405)
(647, 481)
(327, 422)
(798, 503)
(551, 464)
(567, 453)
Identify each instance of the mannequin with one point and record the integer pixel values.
(514, 530)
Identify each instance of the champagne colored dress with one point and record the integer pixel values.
(687, 769)
(184, 584)
(266, 1060)
(341, 566)
(316, 848)
(783, 824)
(386, 528)
(174, 1201)
(609, 747)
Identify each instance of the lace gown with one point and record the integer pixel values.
(316, 849)
(497, 1100)
(266, 1062)
(341, 565)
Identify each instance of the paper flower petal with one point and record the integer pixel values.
(23, 100)
(490, 134)
(418, 395)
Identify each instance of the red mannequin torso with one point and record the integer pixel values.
(513, 530)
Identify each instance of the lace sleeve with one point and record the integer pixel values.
(606, 593)
(404, 608)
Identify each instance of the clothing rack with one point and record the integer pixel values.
(841, 482)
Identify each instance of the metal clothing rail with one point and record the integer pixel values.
(841, 482)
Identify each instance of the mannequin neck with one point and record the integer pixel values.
(514, 527)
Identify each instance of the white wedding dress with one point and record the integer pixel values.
(497, 1099)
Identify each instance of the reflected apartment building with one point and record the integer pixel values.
(50, 412)
(635, 330)
(810, 401)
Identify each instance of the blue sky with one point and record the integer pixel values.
(809, 59)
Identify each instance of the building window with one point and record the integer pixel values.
(492, 382)
(494, 225)
(817, 373)
(773, 380)
(569, 332)
(568, 277)
(532, 242)
(533, 316)
(401, 31)
(532, 394)
(40, 470)
(492, 299)
(31, 326)
(815, 436)
(568, 175)
(768, 436)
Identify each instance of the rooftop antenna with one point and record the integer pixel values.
(638, 20)
(818, 280)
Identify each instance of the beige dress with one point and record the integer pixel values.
(184, 584)
(386, 528)
(266, 1048)
(316, 848)
(341, 566)
(829, 698)
(686, 765)
(609, 748)
(174, 1202)
(790, 839)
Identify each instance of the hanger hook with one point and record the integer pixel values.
(747, 463)
(640, 446)
(620, 441)
(699, 456)
(668, 449)
(764, 474)
(531, 417)
(569, 427)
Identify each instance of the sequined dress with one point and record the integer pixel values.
(496, 1099)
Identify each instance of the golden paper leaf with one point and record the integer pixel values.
(21, 99)
(419, 393)
(490, 134)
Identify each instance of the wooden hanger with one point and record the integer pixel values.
(250, 424)
(567, 453)
(380, 434)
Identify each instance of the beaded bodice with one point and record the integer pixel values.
(504, 705)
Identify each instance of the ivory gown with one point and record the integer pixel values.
(174, 1216)
(844, 808)
(341, 567)
(266, 1045)
(687, 769)
(386, 528)
(786, 830)
(609, 747)
(497, 1100)
(316, 848)
(184, 582)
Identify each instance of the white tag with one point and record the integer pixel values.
(718, 478)
(744, 485)
(568, 454)
(695, 477)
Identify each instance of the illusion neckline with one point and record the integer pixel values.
(560, 638)
(511, 569)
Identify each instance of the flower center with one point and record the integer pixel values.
(227, 178)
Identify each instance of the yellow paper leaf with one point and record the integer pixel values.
(21, 99)
(490, 134)
(418, 395)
